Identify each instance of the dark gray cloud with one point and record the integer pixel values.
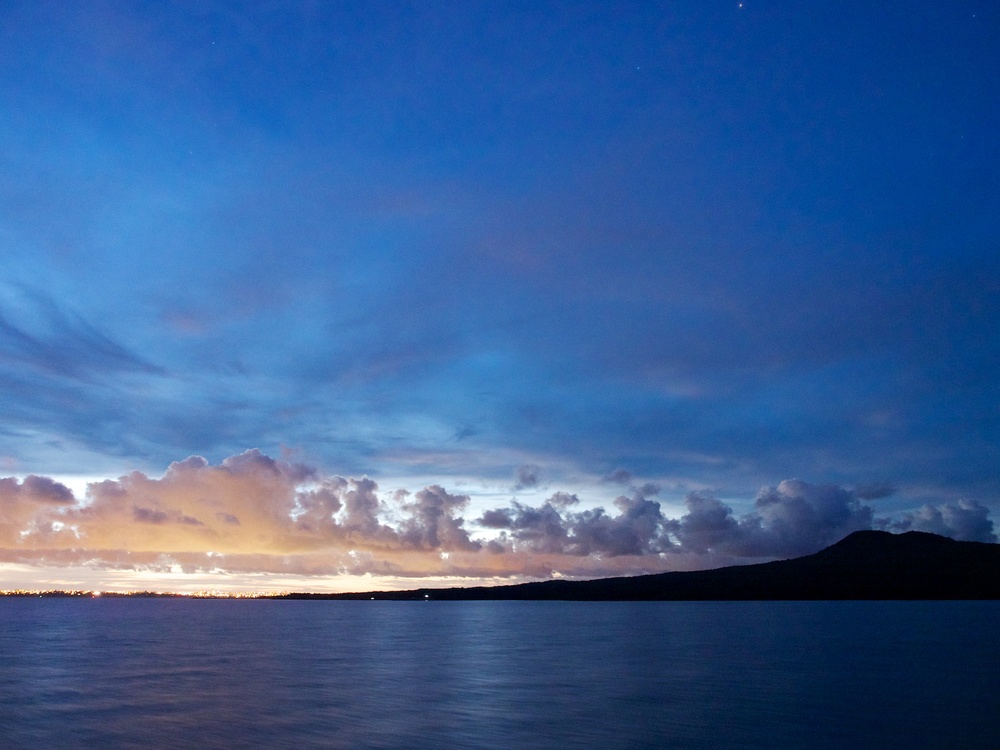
(638, 529)
(149, 515)
(46, 489)
(502, 518)
(253, 461)
(794, 518)
(797, 517)
(708, 525)
(791, 519)
(563, 500)
(157, 517)
(874, 490)
(618, 476)
(536, 529)
(433, 523)
(316, 509)
(361, 506)
(527, 475)
(37, 489)
(251, 509)
(965, 520)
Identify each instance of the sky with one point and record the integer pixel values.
(354, 296)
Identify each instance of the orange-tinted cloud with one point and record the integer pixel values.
(255, 514)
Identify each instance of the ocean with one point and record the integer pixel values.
(188, 673)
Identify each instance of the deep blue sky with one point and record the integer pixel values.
(712, 246)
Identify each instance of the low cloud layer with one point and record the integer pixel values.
(793, 518)
(253, 513)
(965, 520)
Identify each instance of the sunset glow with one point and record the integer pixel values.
(349, 297)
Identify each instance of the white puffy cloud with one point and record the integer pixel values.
(253, 513)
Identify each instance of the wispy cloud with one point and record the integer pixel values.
(43, 337)
(542, 251)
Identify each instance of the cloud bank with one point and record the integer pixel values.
(255, 514)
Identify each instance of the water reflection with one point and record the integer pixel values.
(131, 673)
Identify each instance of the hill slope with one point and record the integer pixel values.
(864, 565)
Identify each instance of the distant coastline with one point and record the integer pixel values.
(863, 565)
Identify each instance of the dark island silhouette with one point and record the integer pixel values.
(863, 565)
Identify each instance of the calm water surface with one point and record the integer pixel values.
(176, 673)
